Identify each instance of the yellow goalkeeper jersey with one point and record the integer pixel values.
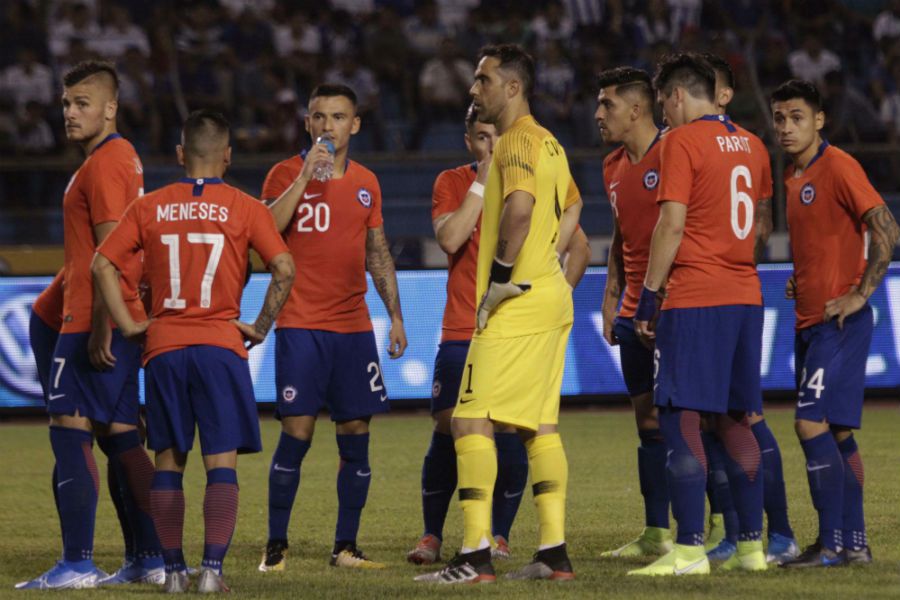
(528, 158)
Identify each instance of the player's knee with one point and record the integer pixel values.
(353, 427)
(685, 466)
(300, 427)
(806, 430)
(840, 432)
(442, 420)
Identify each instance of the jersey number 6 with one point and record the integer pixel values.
(741, 198)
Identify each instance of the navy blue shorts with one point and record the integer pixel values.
(448, 371)
(830, 367)
(109, 396)
(206, 387)
(708, 358)
(637, 359)
(42, 339)
(315, 369)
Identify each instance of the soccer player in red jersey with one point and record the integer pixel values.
(195, 235)
(831, 209)
(631, 176)
(703, 247)
(325, 350)
(456, 214)
(93, 380)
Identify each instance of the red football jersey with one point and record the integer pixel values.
(825, 207)
(327, 238)
(631, 189)
(195, 236)
(450, 189)
(719, 171)
(49, 304)
(108, 180)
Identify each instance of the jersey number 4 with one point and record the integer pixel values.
(741, 198)
(173, 241)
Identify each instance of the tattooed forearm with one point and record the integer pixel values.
(883, 234)
(277, 293)
(381, 267)
(763, 228)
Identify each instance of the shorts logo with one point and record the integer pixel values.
(651, 179)
(436, 389)
(289, 394)
(364, 197)
(807, 194)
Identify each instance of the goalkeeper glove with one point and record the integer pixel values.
(500, 288)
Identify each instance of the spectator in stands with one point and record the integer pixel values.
(33, 133)
(28, 80)
(299, 34)
(75, 22)
(119, 34)
(850, 115)
(515, 29)
(424, 31)
(812, 61)
(249, 36)
(656, 25)
(552, 25)
(772, 69)
(236, 8)
(890, 105)
(137, 118)
(199, 33)
(386, 48)
(21, 29)
(351, 72)
(471, 36)
(554, 87)
(452, 13)
(443, 89)
(887, 23)
(342, 36)
(748, 19)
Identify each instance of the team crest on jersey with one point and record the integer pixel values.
(436, 389)
(651, 179)
(289, 394)
(807, 194)
(364, 197)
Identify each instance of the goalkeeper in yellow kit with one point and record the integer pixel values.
(514, 368)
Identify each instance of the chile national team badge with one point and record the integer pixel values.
(807, 194)
(651, 179)
(364, 197)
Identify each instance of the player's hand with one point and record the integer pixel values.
(609, 325)
(99, 348)
(397, 337)
(844, 306)
(646, 332)
(317, 156)
(647, 314)
(251, 336)
(495, 294)
(135, 332)
(790, 288)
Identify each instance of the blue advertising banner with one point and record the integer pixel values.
(592, 367)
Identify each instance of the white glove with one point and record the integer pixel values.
(495, 294)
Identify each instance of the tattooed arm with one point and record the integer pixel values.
(615, 284)
(381, 268)
(883, 234)
(763, 228)
(282, 269)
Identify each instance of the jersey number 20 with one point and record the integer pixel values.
(173, 241)
(741, 198)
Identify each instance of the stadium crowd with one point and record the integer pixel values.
(410, 62)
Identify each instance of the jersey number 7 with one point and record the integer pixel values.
(173, 241)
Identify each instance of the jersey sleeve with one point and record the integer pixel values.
(263, 235)
(676, 169)
(111, 188)
(853, 188)
(375, 218)
(443, 196)
(573, 195)
(278, 180)
(765, 186)
(125, 239)
(516, 156)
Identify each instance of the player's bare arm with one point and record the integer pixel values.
(577, 257)
(453, 229)
(283, 271)
(100, 339)
(568, 223)
(284, 207)
(883, 235)
(763, 228)
(106, 284)
(381, 267)
(515, 223)
(663, 248)
(615, 285)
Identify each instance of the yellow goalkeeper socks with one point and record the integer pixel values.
(476, 460)
(549, 476)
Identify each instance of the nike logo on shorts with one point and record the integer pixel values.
(55, 396)
(383, 397)
(802, 404)
(461, 401)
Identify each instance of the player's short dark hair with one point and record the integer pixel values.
(513, 57)
(203, 131)
(798, 88)
(330, 90)
(627, 79)
(688, 70)
(721, 67)
(87, 68)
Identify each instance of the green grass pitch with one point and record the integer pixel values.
(604, 510)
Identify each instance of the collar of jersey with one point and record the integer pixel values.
(724, 119)
(108, 138)
(201, 180)
(303, 154)
(822, 147)
(653, 143)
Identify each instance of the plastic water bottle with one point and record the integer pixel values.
(324, 170)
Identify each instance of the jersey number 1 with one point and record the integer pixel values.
(173, 241)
